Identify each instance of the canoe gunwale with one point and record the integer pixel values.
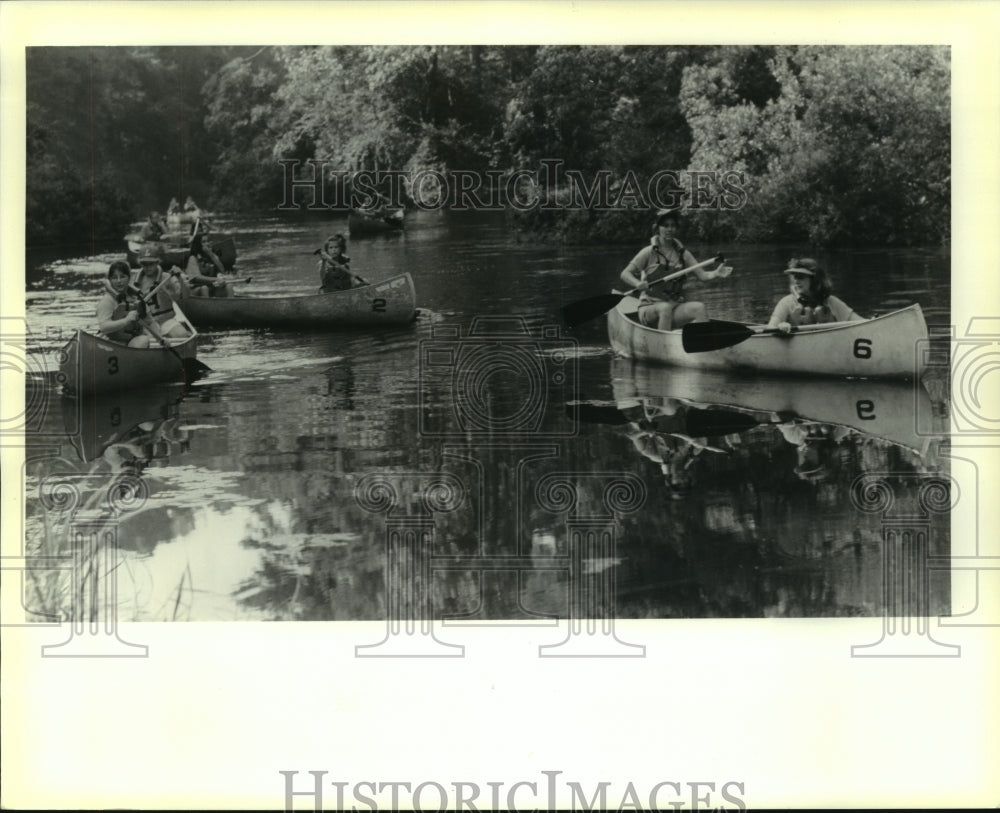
(800, 355)
(334, 310)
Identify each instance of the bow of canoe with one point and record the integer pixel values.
(91, 363)
(889, 346)
(390, 302)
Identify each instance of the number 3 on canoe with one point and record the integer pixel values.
(378, 305)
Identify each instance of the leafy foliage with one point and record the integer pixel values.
(835, 144)
(854, 148)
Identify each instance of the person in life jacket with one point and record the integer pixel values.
(810, 300)
(204, 267)
(153, 228)
(121, 312)
(151, 274)
(335, 267)
(665, 307)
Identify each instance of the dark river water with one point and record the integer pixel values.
(435, 469)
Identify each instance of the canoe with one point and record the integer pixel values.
(175, 254)
(98, 419)
(896, 411)
(92, 363)
(889, 346)
(359, 222)
(390, 302)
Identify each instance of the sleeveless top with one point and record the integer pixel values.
(656, 261)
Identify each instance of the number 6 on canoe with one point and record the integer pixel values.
(583, 310)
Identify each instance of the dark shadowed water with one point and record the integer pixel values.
(285, 483)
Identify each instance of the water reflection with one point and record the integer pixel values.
(767, 471)
(246, 485)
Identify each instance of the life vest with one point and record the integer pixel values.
(811, 312)
(124, 303)
(666, 265)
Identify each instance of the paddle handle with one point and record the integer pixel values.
(682, 272)
(149, 296)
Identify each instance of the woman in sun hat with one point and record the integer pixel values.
(151, 274)
(810, 300)
(667, 308)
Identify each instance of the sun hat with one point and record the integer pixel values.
(805, 266)
(150, 253)
(663, 214)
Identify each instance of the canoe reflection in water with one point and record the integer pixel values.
(128, 429)
(821, 418)
(87, 510)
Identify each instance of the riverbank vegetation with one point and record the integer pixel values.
(826, 144)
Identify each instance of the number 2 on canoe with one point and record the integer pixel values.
(378, 305)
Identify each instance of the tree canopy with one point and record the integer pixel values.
(828, 143)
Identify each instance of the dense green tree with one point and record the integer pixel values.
(854, 147)
(835, 144)
(112, 133)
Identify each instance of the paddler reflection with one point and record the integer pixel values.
(659, 428)
(818, 448)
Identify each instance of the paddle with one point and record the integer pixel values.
(583, 310)
(192, 367)
(701, 337)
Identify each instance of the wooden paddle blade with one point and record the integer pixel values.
(576, 313)
(700, 337)
(702, 423)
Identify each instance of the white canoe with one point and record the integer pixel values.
(889, 346)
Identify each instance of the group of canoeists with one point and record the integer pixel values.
(810, 299)
(655, 275)
(122, 312)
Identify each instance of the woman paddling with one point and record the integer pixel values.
(335, 267)
(121, 313)
(809, 301)
(665, 254)
(204, 266)
(151, 274)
